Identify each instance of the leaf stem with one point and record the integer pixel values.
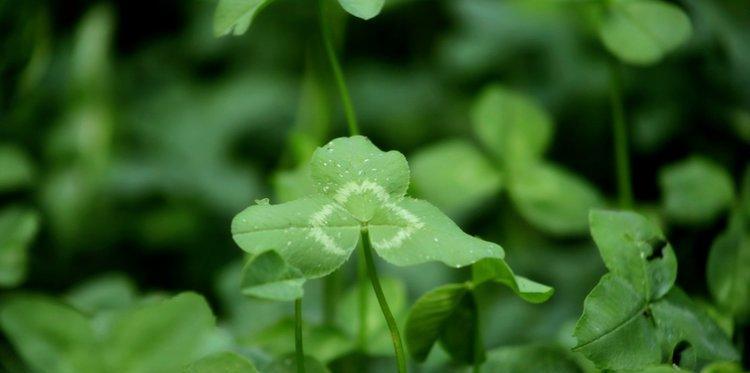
(362, 283)
(299, 351)
(351, 116)
(389, 319)
(620, 132)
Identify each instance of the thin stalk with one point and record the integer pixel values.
(362, 283)
(346, 101)
(299, 351)
(620, 132)
(389, 319)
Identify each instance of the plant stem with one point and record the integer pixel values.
(620, 132)
(362, 283)
(389, 319)
(351, 116)
(299, 351)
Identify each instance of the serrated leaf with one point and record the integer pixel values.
(268, 276)
(615, 331)
(635, 249)
(18, 226)
(49, 336)
(379, 342)
(499, 271)
(684, 326)
(365, 9)
(642, 32)
(530, 358)
(512, 126)
(235, 16)
(454, 176)
(18, 171)
(161, 336)
(224, 362)
(552, 199)
(429, 316)
(695, 190)
(728, 269)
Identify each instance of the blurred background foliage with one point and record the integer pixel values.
(130, 136)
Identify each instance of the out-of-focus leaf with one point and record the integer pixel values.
(454, 176)
(512, 126)
(499, 271)
(268, 276)
(18, 226)
(379, 342)
(723, 367)
(728, 269)
(235, 16)
(50, 337)
(461, 335)
(17, 169)
(429, 317)
(160, 337)
(324, 342)
(695, 190)
(108, 292)
(530, 358)
(288, 364)
(615, 330)
(364, 9)
(642, 32)
(293, 184)
(222, 362)
(635, 249)
(553, 199)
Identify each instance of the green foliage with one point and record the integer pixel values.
(530, 358)
(516, 131)
(635, 317)
(18, 171)
(642, 32)
(498, 271)
(364, 9)
(695, 191)
(288, 364)
(18, 226)
(360, 187)
(224, 362)
(268, 276)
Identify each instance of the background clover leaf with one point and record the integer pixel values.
(235, 16)
(18, 226)
(225, 362)
(498, 271)
(364, 9)
(728, 268)
(643, 31)
(18, 170)
(268, 276)
(635, 249)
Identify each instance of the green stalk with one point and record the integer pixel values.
(351, 116)
(362, 283)
(620, 132)
(389, 319)
(299, 351)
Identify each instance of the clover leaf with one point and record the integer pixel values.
(18, 226)
(635, 317)
(268, 276)
(358, 187)
(728, 268)
(226, 362)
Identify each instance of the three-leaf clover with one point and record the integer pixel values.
(360, 191)
(635, 317)
(515, 132)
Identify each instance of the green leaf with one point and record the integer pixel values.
(615, 330)
(635, 249)
(530, 358)
(324, 342)
(553, 199)
(461, 336)
(412, 231)
(235, 16)
(723, 367)
(359, 176)
(288, 364)
(454, 176)
(268, 276)
(379, 342)
(18, 226)
(364, 9)
(695, 190)
(49, 336)
(499, 271)
(161, 336)
(18, 171)
(512, 126)
(642, 32)
(105, 293)
(224, 362)
(293, 184)
(728, 269)
(687, 329)
(312, 234)
(429, 317)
